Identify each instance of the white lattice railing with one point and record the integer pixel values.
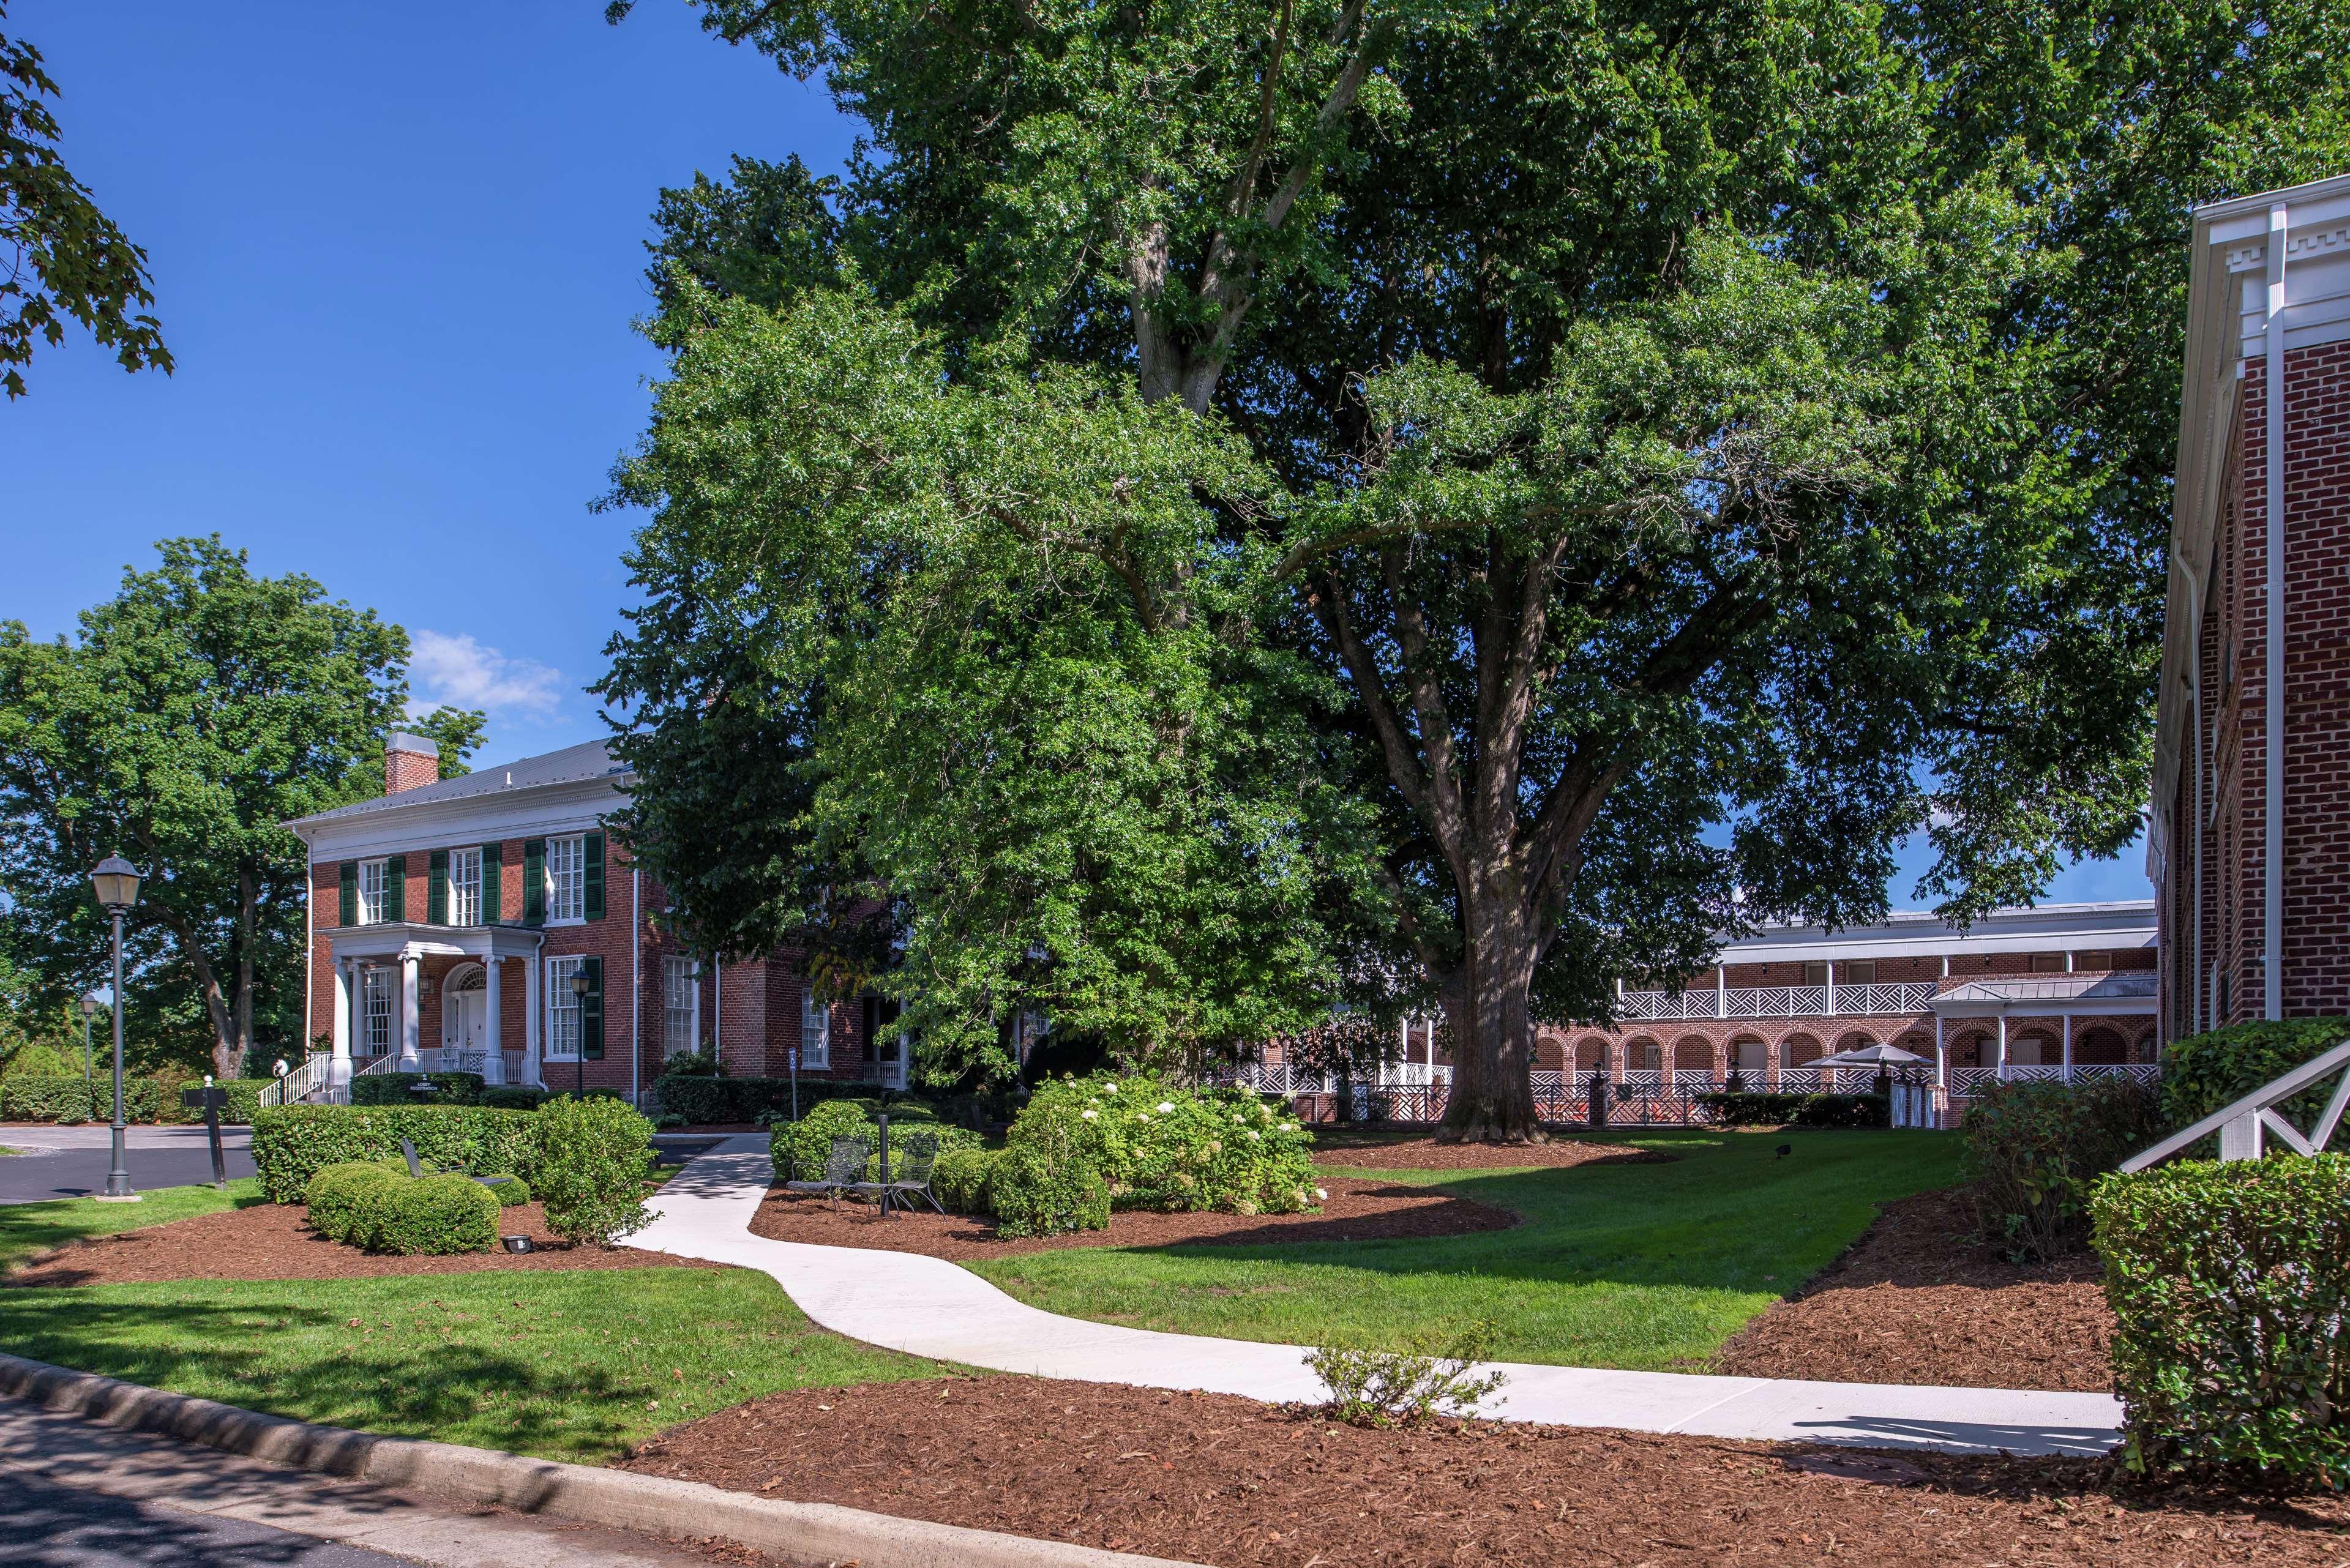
(1777, 1001)
(1968, 1081)
(298, 1085)
(1693, 1080)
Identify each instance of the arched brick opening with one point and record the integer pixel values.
(1550, 1051)
(1971, 1049)
(1750, 1056)
(1590, 1054)
(2143, 1049)
(1918, 1042)
(2033, 1048)
(1856, 1038)
(1798, 1050)
(1643, 1056)
(2100, 1046)
(1693, 1054)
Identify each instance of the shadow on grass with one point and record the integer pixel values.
(255, 1350)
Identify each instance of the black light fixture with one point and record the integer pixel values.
(579, 1034)
(115, 882)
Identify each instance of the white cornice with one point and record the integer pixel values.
(571, 805)
(2123, 926)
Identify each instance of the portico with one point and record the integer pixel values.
(381, 974)
(2063, 1000)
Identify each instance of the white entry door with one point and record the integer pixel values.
(463, 1023)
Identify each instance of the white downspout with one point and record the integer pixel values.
(2273, 720)
(2196, 1016)
(309, 947)
(636, 984)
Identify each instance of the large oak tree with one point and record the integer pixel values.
(1231, 507)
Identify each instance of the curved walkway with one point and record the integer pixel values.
(929, 1307)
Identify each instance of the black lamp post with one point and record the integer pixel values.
(116, 881)
(88, 1006)
(578, 1039)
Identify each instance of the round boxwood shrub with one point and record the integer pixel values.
(962, 1180)
(434, 1215)
(339, 1195)
(593, 1158)
(511, 1191)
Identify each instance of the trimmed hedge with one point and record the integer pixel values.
(515, 1097)
(704, 1100)
(293, 1143)
(2034, 1151)
(1749, 1109)
(433, 1216)
(2231, 1283)
(69, 1101)
(393, 1089)
(511, 1191)
(1046, 1187)
(2205, 1072)
(338, 1198)
(593, 1156)
(963, 1180)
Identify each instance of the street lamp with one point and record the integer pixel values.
(578, 1038)
(88, 1006)
(116, 881)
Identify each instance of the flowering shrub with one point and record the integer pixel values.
(1159, 1145)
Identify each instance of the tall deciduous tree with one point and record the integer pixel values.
(62, 253)
(1496, 495)
(192, 713)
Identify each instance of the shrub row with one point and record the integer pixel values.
(2232, 1284)
(2034, 1151)
(369, 1204)
(399, 1089)
(1750, 1108)
(28, 1098)
(291, 1144)
(702, 1099)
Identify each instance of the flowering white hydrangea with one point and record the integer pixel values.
(1090, 1115)
(1254, 1135)
(1111, 1087)
(1320, 1196)
(1142, 1116)
(1165, 1107)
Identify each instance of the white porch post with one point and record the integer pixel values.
(493, 1061)
(339, 1065)
(1721, 991)
(2003, 1043)
(409, 1011)
(1831, 1007)
(1942, 1072)
(2068, 1047)
(531, 1027)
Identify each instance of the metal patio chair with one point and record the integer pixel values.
(910, 1175)
(843, 1167)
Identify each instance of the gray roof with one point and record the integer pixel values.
(589, 760)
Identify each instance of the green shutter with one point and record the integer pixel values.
(534, 881)
(350, 876)
(591, 880)
(493, 886)
(436, 895)
(591, 1010)
(395, 889)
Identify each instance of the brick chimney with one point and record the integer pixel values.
(409, 763)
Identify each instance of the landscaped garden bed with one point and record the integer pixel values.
(1418, 1151)
(1356, 1209)
(1225, 1481)
(274, 1242)
(1916, 1302)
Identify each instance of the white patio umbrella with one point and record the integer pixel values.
(1870, 1056)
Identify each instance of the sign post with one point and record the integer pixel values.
(211, 1101)
(793, 1057)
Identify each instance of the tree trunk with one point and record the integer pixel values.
(1493, 1099)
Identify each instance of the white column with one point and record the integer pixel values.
(1831, 1007)
(1721, 991)
(493, 1061)
(2068, 1047)
(339, 1065)
(409, 1011)
(2003, 1043)
(532, 1027)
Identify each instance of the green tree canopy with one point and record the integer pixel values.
(1234, 507)
(62, 253)
(191, 716)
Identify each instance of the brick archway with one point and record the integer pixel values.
(1643, 1056)
(1856, 1040)
(1693, 1054)
(1591, 1054)
(2100, 1045)
(1799, 1049)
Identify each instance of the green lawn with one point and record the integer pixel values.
(27, 1230)
(1641, 1266)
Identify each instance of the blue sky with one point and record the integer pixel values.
(397, 251)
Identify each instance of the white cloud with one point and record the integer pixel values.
(459, 673)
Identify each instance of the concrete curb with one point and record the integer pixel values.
(814, 1533)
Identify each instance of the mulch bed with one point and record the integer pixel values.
(1358, 1210)
(1912, 1303)
(270, 1241)
(1218, 1479)
(1371, 1152)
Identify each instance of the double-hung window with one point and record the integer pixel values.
(815, 1030)
(566, 880)
(375, 1008)
(562, 1007)
(465, 887)
(371, 886)
(680, 1006)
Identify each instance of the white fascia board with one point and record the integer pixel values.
(573, 805)
(393, 938)
(2058, 928)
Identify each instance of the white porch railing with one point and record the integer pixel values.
(1898, 1000)
(298, 1085)
(1968, 1081)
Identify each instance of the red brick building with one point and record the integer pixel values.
(450, 919)
(2250, 841)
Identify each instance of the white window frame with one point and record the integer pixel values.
(376, 1005)
(567, 884)
(562, 1011)
(816, 1030)
(680, 1006)
(465, 887)
(371, 899)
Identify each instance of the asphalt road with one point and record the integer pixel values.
(79, 1169)
(49, 1526)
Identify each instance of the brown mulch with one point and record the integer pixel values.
(1218, 1479)
(1372, 1152)
(1912, 1303)
(1358, 1210)
(273, 1242)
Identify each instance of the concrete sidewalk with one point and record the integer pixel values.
(929, 1307)
(182, 1504)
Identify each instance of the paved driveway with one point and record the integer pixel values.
(72, 1162)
